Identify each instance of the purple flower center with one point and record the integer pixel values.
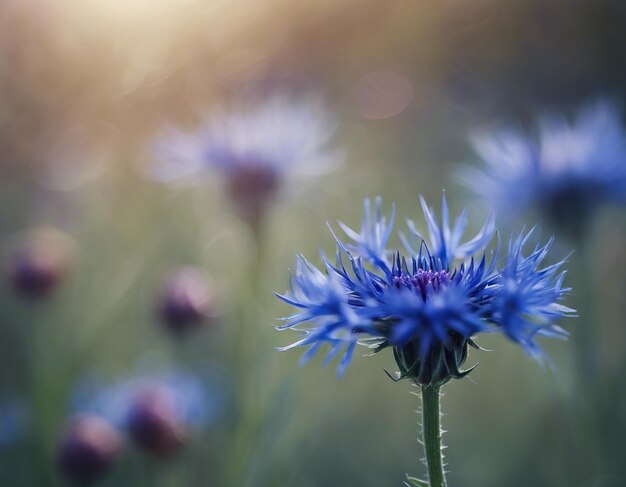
(422, 281)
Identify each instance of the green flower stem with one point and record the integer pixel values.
(431, 430)
(247, 346)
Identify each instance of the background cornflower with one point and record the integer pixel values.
(427, 305)
(186, 302)
(159, 409)
(39, 262)
(258, 150)
(88, 449)
(567, 170)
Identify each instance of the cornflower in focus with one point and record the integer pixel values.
(426, 303)
(258, 151)
(567, 171)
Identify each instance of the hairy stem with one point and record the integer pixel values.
(431, 430)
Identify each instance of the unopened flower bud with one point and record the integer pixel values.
(186, 302)
(39, 263)
(88, 449)
(154, 424)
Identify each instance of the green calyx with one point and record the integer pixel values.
(442, 363)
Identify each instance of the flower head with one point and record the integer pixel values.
(186, 302)
(567, 171)
(257, 151)
(153, 422)
(159, 409)
(427, 305)
(40, 262)
(88, 448)
(14, 419)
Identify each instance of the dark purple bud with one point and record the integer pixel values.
(154, 424)
(39, 263)
(186, 302)
(88, 449)
(252, 189)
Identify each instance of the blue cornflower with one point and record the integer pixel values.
(258, 151)
(566, 172)
(194, 400)
(426, 305)
(14, 418)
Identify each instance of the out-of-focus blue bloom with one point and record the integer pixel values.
(197, 400)
(88, 449)
(257, 150)
(566, 171)
(14, 416)
(186, 302)
(427, 305)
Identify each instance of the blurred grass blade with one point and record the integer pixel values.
(413, 482)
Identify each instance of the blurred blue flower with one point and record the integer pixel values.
(427, 306)
(197, 400)
(258, 150)
(529, 298)
(14, 417)
(567, 171)
(444, 242)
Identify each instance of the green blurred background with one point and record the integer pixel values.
(84, 89)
